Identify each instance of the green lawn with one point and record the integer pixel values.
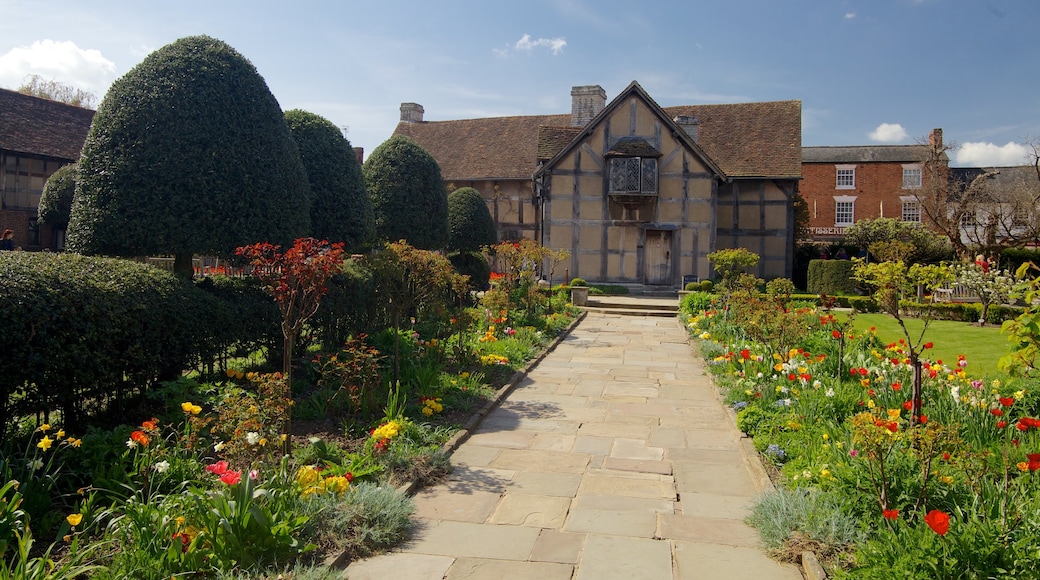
(982, 346)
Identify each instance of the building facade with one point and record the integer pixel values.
(636, 193)
(842, 185)
(37, 136)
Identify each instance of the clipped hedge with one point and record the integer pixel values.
(830, 277)
(241, 317)
(1012, 258)
(350, 306)
(80, 334)
(960, 311)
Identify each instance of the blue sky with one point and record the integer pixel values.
(866, 71)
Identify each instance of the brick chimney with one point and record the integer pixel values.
(935, 139)
(411, 113)
(688, 123)
(586, 103)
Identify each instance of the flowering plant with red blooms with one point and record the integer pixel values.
(890, 514)
(231, 477)
(938, 521)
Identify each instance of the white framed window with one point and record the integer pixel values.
(968, 220)
(845, 177)
(912, 176)
(844, 210)
(911, 209)
(635, 175)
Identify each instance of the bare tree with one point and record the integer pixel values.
(981, 210)
(37, 86)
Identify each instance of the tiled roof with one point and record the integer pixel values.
(489, 148)
(750, 139)
(632, 147)
(42, 127)
(866, 154)
(744, 140)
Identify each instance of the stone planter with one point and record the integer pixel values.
(579, 295)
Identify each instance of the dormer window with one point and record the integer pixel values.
(633, 175)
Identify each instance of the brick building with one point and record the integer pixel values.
(37, 136)
(842, 185)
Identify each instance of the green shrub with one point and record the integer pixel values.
(578, 282)
(830, 277)
(1012, 258)
(707, 286)
(241, 318)
(350, 306)
(470, 225)
(474, 265)
(815, 514)
(692, 286)
(696, 302)
(80, 334)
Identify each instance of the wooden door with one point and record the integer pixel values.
(658, 256)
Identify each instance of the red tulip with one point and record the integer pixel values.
(938, 521)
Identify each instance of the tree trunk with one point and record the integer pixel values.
(182, 266)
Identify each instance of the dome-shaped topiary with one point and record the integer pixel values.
(408, 194)
(56, 201)
(188, 153)
(470, 225)
(474, 265)
(340, 208)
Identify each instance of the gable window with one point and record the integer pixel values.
(844, 210)
(968, 220)
(846, 177)
(633, 175)
(911, 209)
(911, 177)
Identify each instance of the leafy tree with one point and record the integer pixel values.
(188, 153)
(1024, 331)
(340, 208)
(56, 201)
(52, 90)
(408, 194)
(991, 285)
(470, 225)
(731, 263)
(927, 246)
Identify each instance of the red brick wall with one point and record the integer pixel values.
(877, 191)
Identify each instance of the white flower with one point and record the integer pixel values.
(131, 443)
(252, 437)
(219, 446)
(162, 466)
(35, 464)
(830, 392)
(955, 392)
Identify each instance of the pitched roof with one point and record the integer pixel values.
(41, 126)
(866, 154)
(489, 148)
(750, 139)
(744, 140)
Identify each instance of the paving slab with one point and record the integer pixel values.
(539, 511)
(557, 546)
(697, 561)
(441, 503)
(461, 539)
(632, 524)
(482, 569)
(628, 558)
(399, 565)
(726, 532)
(545, 483)
(520, 459)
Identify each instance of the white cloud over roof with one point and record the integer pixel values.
(60, 61)
(981, 154)
(888, 133)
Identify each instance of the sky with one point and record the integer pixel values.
(867, 72)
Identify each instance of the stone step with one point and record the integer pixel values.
(622, 311)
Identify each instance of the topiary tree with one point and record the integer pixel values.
(470, 225)
(188, 153)
(408, 194)
(56, 201)
(340, 208)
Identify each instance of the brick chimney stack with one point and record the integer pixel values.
(935, 139)
(411, 113)
(586, 103)
(688, 123)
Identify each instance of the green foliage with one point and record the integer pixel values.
(804, 513)
(926, 245)
(367, 519)
(696, 302)
(188, 153)
(732, 262)
(474, 265)
(408, 194)
(1012, 258)
(240, 319)
(470, 225)
(350, 306)
(82, 332)
(56, 201)
(830, 277)
(578, 282)
(341, 210)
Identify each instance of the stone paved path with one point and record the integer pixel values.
(614, 458)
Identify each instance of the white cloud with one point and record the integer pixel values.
(888, 133)
(850, 15)
(556, 45)
(60, 61)
(991, 155)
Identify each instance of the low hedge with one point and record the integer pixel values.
(830, 277)
(80, 334)
(960, 311)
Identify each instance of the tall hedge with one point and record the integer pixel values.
(830, 277)
(470, 225)
(340, 208)
(56, 201)
(408, 194)
(188, 153)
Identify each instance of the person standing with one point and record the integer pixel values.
(7, 240)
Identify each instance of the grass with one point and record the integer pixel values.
(982, 346)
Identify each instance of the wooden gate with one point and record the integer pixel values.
(658, 256)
